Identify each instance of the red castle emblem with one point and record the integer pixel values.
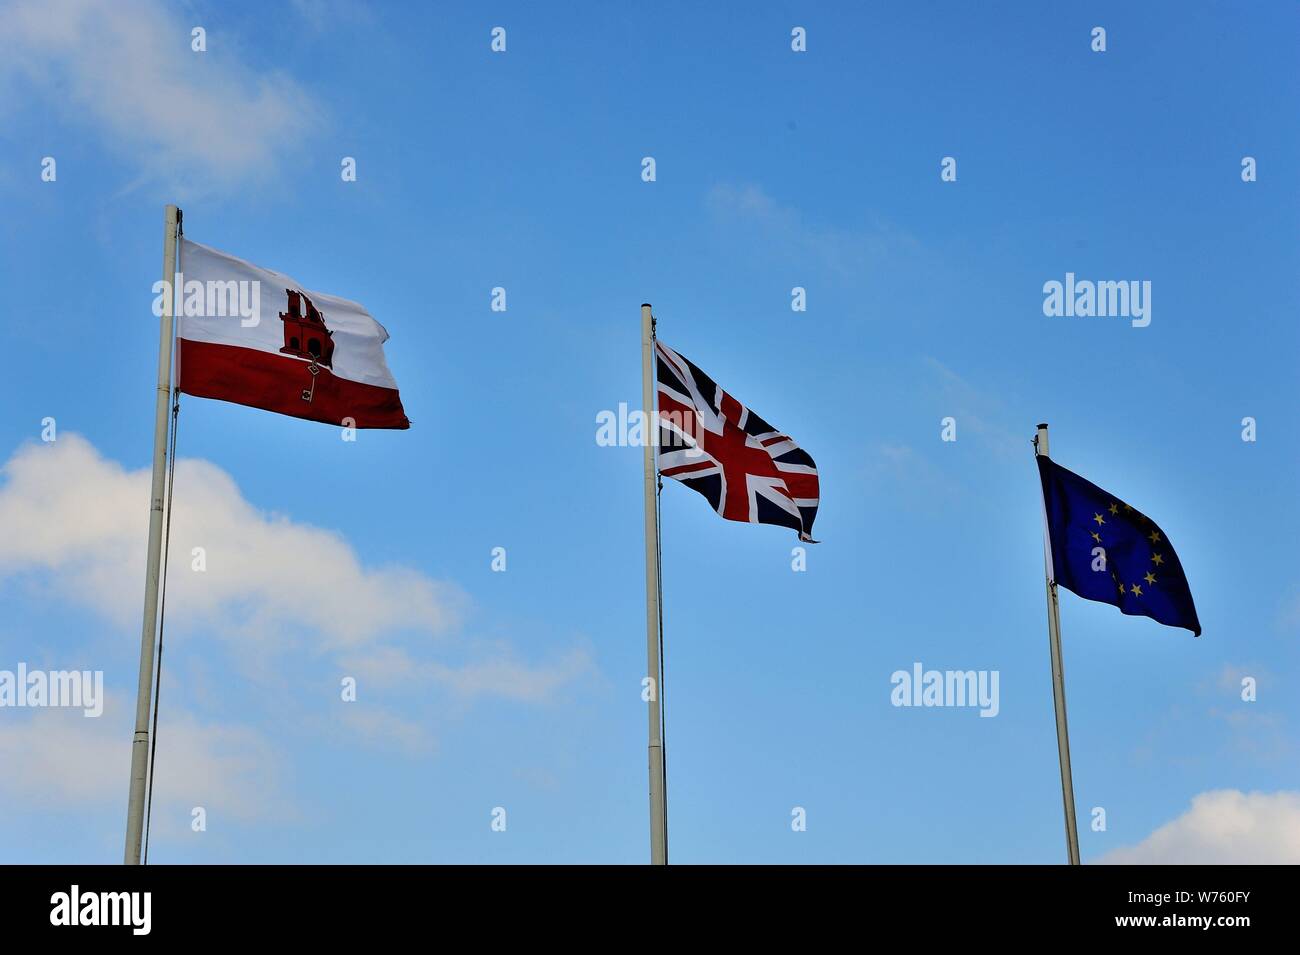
(306, 336)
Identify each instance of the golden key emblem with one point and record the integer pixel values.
(308, 392)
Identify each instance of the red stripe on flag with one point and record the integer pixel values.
(276, 383)
(802, 486)
(687, 468)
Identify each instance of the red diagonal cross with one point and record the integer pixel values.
(738, 459)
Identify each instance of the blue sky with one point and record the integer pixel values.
(775, 169)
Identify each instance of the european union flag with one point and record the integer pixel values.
(1103, 549)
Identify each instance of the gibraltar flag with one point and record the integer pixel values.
(258, 338)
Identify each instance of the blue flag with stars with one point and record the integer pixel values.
(1103, 549)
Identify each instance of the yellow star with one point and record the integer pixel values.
(1158, 559)
(1150, 578)
(1099, 519)
(1128, 507)
(1121, 588)
(1114, 508)
(1137, 590)
(1154, 537)
(1096, 537)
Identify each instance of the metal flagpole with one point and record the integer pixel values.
(1058, 674)
(148, 634)
(654, 666)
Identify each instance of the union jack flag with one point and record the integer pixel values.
(713, 444)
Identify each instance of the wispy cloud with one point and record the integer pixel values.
(844, 252)
(978, 410)
(321, 15)
(195, 121)
(924, 477)
(912, 479)
(1288, 614)
(382, 728)
(499, 673)
(1223, 827)
(1253, 730)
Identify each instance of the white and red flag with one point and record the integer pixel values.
(258, 338)
(747, 469)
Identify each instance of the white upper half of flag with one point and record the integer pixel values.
(248, 314)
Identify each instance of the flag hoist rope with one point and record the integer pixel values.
(663, 700)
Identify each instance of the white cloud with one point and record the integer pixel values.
(126, 68)
(77, 523)
(499, 674)
(1223, 827)
(83, 520)
(60, 759)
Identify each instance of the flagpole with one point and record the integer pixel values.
(140, 741)
(1058, 674)
(654, 665)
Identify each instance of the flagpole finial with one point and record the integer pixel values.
(1040, 439)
